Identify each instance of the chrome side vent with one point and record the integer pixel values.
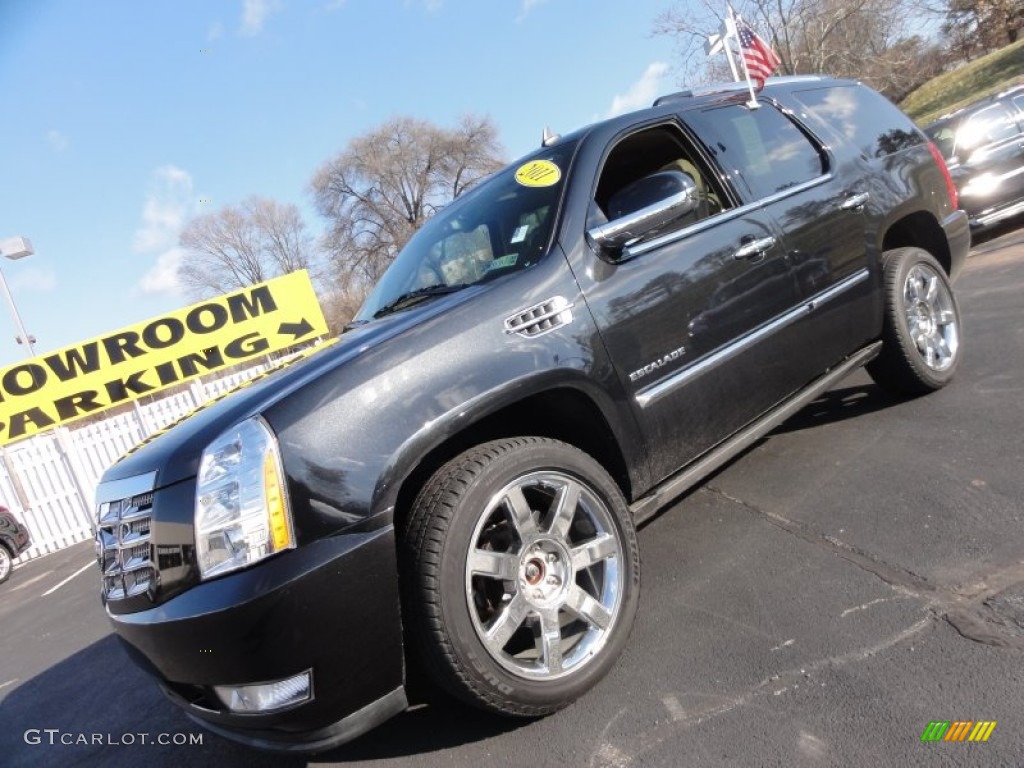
(540, 318)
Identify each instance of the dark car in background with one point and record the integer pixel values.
(14, 539)
(983, 145)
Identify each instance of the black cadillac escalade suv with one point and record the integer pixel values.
(456, 482)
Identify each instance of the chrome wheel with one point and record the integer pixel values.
(520, 575)
(543, 576)
(931, 317)
(922, 338)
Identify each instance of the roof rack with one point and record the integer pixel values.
(783, 79)
(710, 90)
(668, 98)
(706, 90)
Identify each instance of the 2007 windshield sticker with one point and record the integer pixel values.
(538, 173)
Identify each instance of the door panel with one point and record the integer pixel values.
(819, 209)
(674, 318)
(825, 241)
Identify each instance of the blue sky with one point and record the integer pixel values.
(120, 116)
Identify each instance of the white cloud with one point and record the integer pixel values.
(57, 140)
(162, 277)
(526, 7)
(643, 92)
(255, 14)
(168, 203)
(334, 5)
(215, 32)
(32, 279)
(430, 6)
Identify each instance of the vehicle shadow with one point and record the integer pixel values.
(834, 406)
(838, 405)
(96, 708)
(425, 727)
(101, 710)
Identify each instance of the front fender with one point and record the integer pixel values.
(462, 422)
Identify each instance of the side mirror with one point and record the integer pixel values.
(644, 208)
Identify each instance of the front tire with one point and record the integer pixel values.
(520, 575)
(922, 334)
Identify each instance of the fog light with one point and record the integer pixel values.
(267, 697)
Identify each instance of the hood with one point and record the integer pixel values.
(174, 453)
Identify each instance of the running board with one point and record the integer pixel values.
(647, 506)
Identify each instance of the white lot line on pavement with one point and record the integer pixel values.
(83, 569)
(33, 580)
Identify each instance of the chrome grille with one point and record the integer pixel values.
(123, 547)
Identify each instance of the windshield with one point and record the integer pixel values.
(503, 225)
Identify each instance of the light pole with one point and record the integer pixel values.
(15, 248)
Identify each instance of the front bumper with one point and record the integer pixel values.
(330, 606)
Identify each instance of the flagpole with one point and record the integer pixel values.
(730, 34)
(752, 104)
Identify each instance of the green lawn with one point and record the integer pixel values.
(989, 74)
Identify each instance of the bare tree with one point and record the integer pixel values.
(386, 183)
(865, 39)
(869, 40)
(242, 245)
(690, 24)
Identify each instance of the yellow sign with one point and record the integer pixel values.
(142, 359)
(538, 173)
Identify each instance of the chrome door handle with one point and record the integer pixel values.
(854, 203)
(754, 248)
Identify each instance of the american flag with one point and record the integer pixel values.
(760, 58)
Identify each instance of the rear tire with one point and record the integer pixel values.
(520, 575)
(922, 333)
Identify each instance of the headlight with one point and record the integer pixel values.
(242, 515)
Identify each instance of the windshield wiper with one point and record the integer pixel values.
(410, 298)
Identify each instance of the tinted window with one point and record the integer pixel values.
(861, 116)
(764, 146)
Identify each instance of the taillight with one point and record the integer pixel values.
(950, 186)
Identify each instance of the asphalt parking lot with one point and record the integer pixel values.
(855, 576)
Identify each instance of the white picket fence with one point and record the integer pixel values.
(52, 491)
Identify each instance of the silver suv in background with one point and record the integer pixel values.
(983, 145)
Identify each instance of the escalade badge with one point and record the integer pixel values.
(672, 356)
